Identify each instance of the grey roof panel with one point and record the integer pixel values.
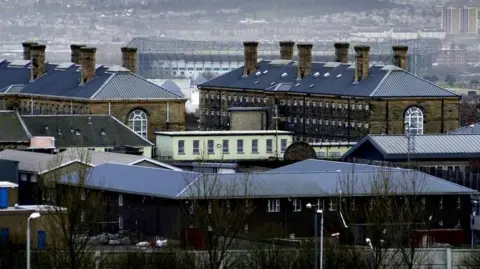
(125, 85)
(470, 129)
(170, 85)
(136, 180)
(32, 162)
(12, 129)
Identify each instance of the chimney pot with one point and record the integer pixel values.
(75, 53)
(251, 57)
(37, 69)
(341, 52)
(26, 49)
(88, 64)
(286, 50)
(129, 58)
(304, 60)
(362, 64)
(400, 56)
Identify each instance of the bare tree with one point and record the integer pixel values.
(75, 212)
(218, 207)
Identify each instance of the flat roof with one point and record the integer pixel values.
(224, 133)
(7, 184)
(34, 208)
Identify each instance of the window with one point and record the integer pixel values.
(273, 205)
(181, 146)
(82, 216)
(440, 203)
(23, 177)
(120, 199)
(82, 195)
(227, 205)
(459, 202)
(191, 208)
(211, 148)
(255, 146)
(297, 205)
(225, 146)
(332, 204)
(283, 145)
(414, 121)
(269, 145)
(33, 178)
(196, 147)
(137, 121)
(424, 202)
(209, 207)
(120, 222)
(240, 146)
(352, 204)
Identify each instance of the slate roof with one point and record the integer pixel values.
(84, 130)
(172, 86)
(436, 146)
(35, 162)
(470, 129)
(136, 180)
(110, 83)
(320, 181)
(12, 129)
(330, 79)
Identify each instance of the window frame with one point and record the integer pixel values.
(414, 117)
(283, 145)
(120, 199)
(297, 205)
(142, 117)
(225, 146)
(181, 147)
(196, 148)
(273, 205)
(211, 146)
(269, 147)
(240, 146)
(255, 146)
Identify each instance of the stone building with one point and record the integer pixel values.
(36, 87)
(328, 101)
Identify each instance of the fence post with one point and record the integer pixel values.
(448, 260)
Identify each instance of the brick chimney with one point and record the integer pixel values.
(304, 60)
(76, 55)
(88, 64)
(341, 52)
(286, 50)
(362, 62)
(129, 59)
(400, 56)
(251, 54)
(26, 49)
(37, 54)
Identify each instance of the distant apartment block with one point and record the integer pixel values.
(456, 20)
(470, 20)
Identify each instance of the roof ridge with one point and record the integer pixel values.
(103, 85)
(125, 126)
(380, 83)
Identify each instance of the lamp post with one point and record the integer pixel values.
(372, 253)
(472, 223)
(316, 212)
(34, 215)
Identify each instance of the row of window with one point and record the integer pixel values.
(326, 122)
(226, 146)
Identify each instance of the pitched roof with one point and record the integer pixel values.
(330, 79)
(436, 146)
(12, 129)
(62, 80)
(136, 180)
(84, 130)
(172, 86)
(36, 162)
(319, 181)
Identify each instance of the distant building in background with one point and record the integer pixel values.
(456, 20)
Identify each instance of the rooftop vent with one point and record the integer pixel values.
(339, 75)
(258, 73)
(256, 82)
(317, 74)
(64, 66)
(311, 85)
(273, 83)
(298, 84)
(19, 63)
(284, 75)
(89, 120)
(266, 71)
(326, 75)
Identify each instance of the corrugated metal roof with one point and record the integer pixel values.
(27, 161)
(125, 85)
(399, 83)
(137, 180)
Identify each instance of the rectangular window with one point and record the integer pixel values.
(459, 202)
(196, 147)
(209, 207)
(297, 205)
(332, 204)
(120, 199)
(269, 145)
(181, 146)
(352, 205)
(255, 146)
(211, 147)
(191, 208)
(283, 145)
(120, 222)
(225, 146)
(240, 146)
(273, 205)
(440, 203)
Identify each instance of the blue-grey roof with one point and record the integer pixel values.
(172, 86)
(470, 129)
(436, 146)
(329, 79)
(63, 80)
(137, 180)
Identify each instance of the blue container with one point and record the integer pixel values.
(4, 236)
(3, 198)
(41, 240)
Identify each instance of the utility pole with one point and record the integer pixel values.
(276, 131)
(410, 141)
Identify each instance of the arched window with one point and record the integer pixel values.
(414, 121)
(137, 121)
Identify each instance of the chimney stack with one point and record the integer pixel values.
(251, 54)
(362, 63)
(129, 59)
(286, 50)
(88, 64)
(341, 52)
(37, 54)
(26, 49)
(304, 60)
(75, 54)
(400, 56)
